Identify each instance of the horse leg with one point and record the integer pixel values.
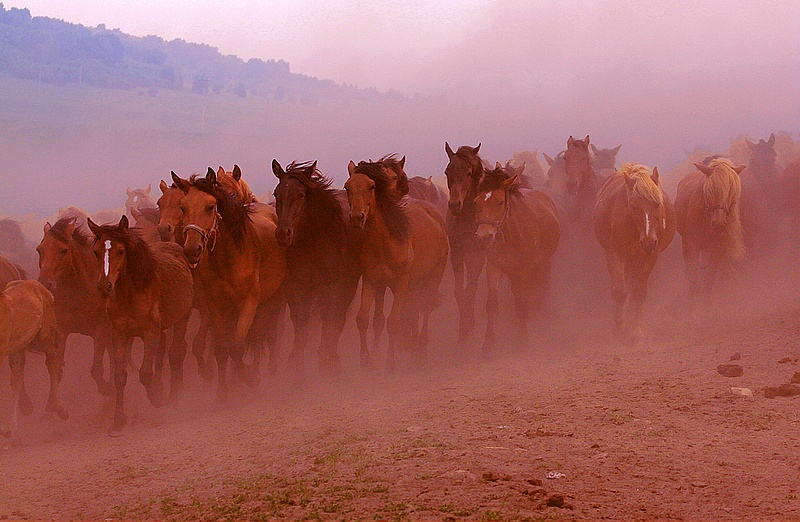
(378, 318)
(243, 324)
(362, 320)
(199, 346)
(16, 361)
(119, 348)
(300, 311)
(273, 316)
(150, 373)
(474, 267)
(521, 288)
(397, 325)
(102, 343)
(177, 354)
(691, 257)
(616, 268)
(221, 337)
(493, 276)
(457, 263)
(53, 361)
(640, 275)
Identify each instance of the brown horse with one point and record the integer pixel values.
(147, 220)
(605, 159)
(521, 230)
(10, 272)
(321, 257)
(233, 180)
(138, 199)
(13, 245)
(148, 289)
(763, 201)
(403, 247)
(240, 268)
(707, 207)
(467, 254)
(68, 269)
(426, 190)
(533, 169)
(582, 182)
(634, 221)
(28, 321)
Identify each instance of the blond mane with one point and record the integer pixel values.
(723, 188)
(644, 187)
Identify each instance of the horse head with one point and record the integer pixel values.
(721, 193)
(464, 170)
(646, 204)
(291, 193)
(763, 157)
(111, 253)
(361, 195)
(492, 203)
(169, 207)
(578, 164)
(199, 214)
(54, 252)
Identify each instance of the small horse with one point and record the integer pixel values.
(707, 208)
(520, 228)
(28, 321)
(582, 182)
(68, 269)
(634, 221)
(467, 255)
(147, 220)
(138, 199)
(240, 269)
(148, 289)
(403, 247)
(321, 258)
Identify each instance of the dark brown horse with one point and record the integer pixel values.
(321, 259)
(634, 221)
(240, 268)
(582, 182)
(763, 198)
(467, 254)
(69, 270)
(403, 247)
(148, 288)
(521, 230)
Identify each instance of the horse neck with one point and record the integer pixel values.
(84, 269)
(376, 231)
(316, 224)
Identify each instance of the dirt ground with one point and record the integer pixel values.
(644, 432)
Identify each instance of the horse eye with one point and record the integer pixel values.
(64, 250)
(209, 208)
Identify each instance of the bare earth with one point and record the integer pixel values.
(644, 432)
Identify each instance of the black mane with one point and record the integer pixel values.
(388, 201)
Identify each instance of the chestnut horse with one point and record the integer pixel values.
(68, 269)
(28, 321)
(634, 221)
(321, 259)
(403, 247)
(707, 208)
(520, 228)
(147, 220)
(240, 268)
(467, 254)
(10, 272)
(148, 289)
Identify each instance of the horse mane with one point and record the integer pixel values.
(328, 210)
(13, 238)
(315, 181)
(467, 153)
(141, 264)
(388, 201)
(59, 231)
(493, 180)
(377, 169)
(234, 213)
(724, 187)
(644, 187)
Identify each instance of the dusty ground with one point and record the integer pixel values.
(651, 431)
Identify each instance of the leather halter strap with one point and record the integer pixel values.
(209, 237)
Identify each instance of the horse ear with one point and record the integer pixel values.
(351, 168)
(94, 227)
(521, 169)
(629, 181)
(586, 140)
(750, 144)
(180, 183)
(448, 150)
(510, 181)
(147, 190)
(123, 223)
(237, 172)
(47, 227)
(127, 191)
(313, 168)
(771, 140)
(220, 171)
(163, 186)
(570, 140)
(655, 176)
(739, 169)
(277, 169)
(403, 161)
(548, 159)
(705, 169)
(477, 149)
(616, 150)
(211, 176)
(497, 165)
(594, 149)
(70, 227)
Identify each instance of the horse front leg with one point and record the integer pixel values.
(119, 353)
(362, 320)
(153, 359)
(691, 258)
(522, 289)
(199, 346)
(616, 268)
(243, 323)
(177, 354)
(398, 325)
(378, 317)
(640, 275)
(221, 333)
(493, 276)
(54, 363)
(16, 362)
(457, 263)
(102, 344)
(300, 311)
(474, 267)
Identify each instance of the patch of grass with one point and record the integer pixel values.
(491, 515)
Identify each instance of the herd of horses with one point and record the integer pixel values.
(208, 244)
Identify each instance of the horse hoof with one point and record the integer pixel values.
(115, 432)
(155, 394)
(206, 373)
(25, 404)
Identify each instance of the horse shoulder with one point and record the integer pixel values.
(607, 211)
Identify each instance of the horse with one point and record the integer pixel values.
(762, 200)
(533, 169)
(13, 245)
(604, 159)
(233, 180)
(521, 231)
(10, 272)
(148, 288)
(138, 199)
(68, 269)
(28, 321)
(147, 220)
(582, 182)
(240, 267)
(634, 221)
(467, 255)
(426, 190)
(707, 206)
(321, 258)
(403, 246)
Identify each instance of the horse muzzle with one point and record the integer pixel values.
(285, 236)
(455, 206)
(572, 187)
(166, 232)
(357, 220)
(649, 245)
(105, 287)
(486, 234)
(193, 253)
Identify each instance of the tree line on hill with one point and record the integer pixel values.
(54, 51)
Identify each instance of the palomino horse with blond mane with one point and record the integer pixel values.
(707, 205)
(403, 247)
(240, 268)
(321, 257)
(28, 321)
(634, 221)
(69, 270)
(467, 254)
(148, 289)
(520, 229)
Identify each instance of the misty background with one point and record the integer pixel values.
(357, 80)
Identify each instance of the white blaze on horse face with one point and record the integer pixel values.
(106, 267)
(487, 196)
(646, 223)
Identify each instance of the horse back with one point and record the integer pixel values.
(176, 284)
(27, 312)
(544, 214)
